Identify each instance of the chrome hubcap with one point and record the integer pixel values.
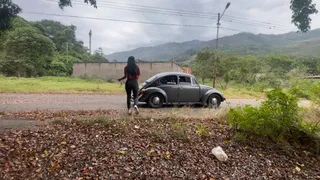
(156, 100)
(214, 101)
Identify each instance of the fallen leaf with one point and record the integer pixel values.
(260, 154)
(167, 155)
(63, 142)
(122, 152)
(73, 146)
(84, 171)
(298, 169)
(46, 152)
(302, 165)
(151, 150)
(54, 167)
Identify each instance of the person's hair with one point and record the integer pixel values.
(131, 66)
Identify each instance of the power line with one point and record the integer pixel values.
(184, 13)
(188, 11)
(145, 10)
(118, 20)
(128, 21)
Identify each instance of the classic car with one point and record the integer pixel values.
(178, 88)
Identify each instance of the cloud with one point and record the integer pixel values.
(242, 15)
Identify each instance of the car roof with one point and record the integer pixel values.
(173, 73)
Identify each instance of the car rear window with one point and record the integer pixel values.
(185, 80)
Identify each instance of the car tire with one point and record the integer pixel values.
(214, 101)
(155, 100)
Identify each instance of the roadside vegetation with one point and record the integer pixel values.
(257, 75)
(58, 85)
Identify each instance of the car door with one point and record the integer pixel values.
(170, 86)
(189, 90)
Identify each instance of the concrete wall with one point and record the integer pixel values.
(113, 71)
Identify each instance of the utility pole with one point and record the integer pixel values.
(90, 34)
(217, 42)
(216, 59)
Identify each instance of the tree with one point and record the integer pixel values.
(98, 56)
(61, 35)
(65, 3)
(301, 11)
(67, 61)
(8, 10)
(203, 65)
(27, 53)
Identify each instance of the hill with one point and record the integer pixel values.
(243, 43)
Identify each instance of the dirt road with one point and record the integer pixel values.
(30, 102)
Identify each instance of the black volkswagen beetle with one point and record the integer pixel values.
(178, 88)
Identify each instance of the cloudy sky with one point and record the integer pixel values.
(256, 16)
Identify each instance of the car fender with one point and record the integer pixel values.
(205, 97)
(151, 90)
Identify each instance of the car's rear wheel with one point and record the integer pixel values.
(214, 101)
(155, 100)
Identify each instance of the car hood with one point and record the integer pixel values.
(205, 87)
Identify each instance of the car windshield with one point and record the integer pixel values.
(151, 79)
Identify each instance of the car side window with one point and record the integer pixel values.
(168, 80)
(185, 80)
(194, 82)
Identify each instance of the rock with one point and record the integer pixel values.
(219, 153)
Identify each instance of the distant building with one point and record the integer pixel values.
(111, 71)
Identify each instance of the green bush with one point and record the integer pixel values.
(277, 117)
(300, 93)
(315, 93)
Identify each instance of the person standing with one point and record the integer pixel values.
(131, 73)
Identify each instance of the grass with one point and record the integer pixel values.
(236, 93)
(58, 85)
(78, 85)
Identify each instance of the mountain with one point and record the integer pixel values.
(243, 43)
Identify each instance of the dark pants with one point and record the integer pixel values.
(132, 86)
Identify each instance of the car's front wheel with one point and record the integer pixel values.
(155, 100)
(214, 101)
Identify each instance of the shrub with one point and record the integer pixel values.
(276, 118)
(202, 131)
(179, 131)
(315, 93)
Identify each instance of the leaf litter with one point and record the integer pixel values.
(142, 148)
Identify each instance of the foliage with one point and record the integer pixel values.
(301, 11)
(202, 131)
(98, 56)
(24, 55)
(8, 10)
(64, 3)
(179, 131)
(28, 52)
(315, 93)
(203, 65)
(277, 117)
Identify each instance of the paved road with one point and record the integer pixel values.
(29, 102)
